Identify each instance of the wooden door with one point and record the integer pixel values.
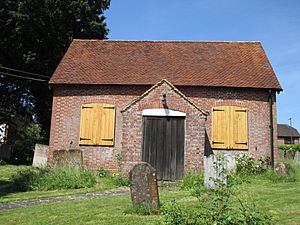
(163, 145)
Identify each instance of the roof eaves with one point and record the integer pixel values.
(166, 41)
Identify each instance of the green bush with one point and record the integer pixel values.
(58, 177)
(246, 164)
(287, 148)
(27, 137)
(175, 214)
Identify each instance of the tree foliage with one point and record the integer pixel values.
(34, 36)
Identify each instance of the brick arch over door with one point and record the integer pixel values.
(194, 129)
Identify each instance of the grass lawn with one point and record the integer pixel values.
(7, 170)
(281, 200)
(8, 195)
(106, 210)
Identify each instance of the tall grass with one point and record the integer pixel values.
(56, 178)
(192, 180)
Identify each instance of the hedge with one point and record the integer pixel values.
(289, 148)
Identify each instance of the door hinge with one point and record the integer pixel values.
(87, 107)
(241, 143)
(107, 139)
(218, 142)
(108, 107)
(84, 139)
(214, 110)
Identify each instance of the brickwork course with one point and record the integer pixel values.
(134, 75)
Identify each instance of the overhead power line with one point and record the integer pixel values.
(22, 77)
(24, 72)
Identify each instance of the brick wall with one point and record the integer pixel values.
(194, 128)
(67, 102)
(256, 100)
(281, 140)
(65, 120)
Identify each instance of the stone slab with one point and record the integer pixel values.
(73, 157)
(5, 151)
(216, 169)
(143, 188)
(40, 158)
(297, 158)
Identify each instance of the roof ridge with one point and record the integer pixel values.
(166, 41)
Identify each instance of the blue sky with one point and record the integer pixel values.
(276, 23)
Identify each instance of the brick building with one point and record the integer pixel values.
(165, 102)
(287, 134)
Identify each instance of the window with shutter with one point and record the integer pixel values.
(239, 123)
(229, 127)
(97, 124)
(220, 128)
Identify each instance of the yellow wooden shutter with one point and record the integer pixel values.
(239, 134)
(97, 124)
(88, 128)
(107, 131)
(220, 127)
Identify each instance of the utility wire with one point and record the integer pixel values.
(22, 77)
(21, 71)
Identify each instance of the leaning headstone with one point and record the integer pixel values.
(215, 171)
(282, 169)
(143, 186)
(72, 157)
(40, 158)
(297, 158)
(290, 155)
(5, 151)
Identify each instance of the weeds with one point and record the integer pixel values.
(56, 178)
(191, 180)
(141, 209)
(219, 206)
(102, 172)
(116, 178)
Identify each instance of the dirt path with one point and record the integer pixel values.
(43, 201)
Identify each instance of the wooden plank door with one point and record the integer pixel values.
(163, 146)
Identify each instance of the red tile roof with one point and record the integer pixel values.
(284, 130)
(183, 63)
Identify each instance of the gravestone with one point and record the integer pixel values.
(216, 170)
(282, 169)
(290, 155)
(143, 186)
(72, 157)
(40, 158)
(5, 151)
(230, 163)
(297, 158)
